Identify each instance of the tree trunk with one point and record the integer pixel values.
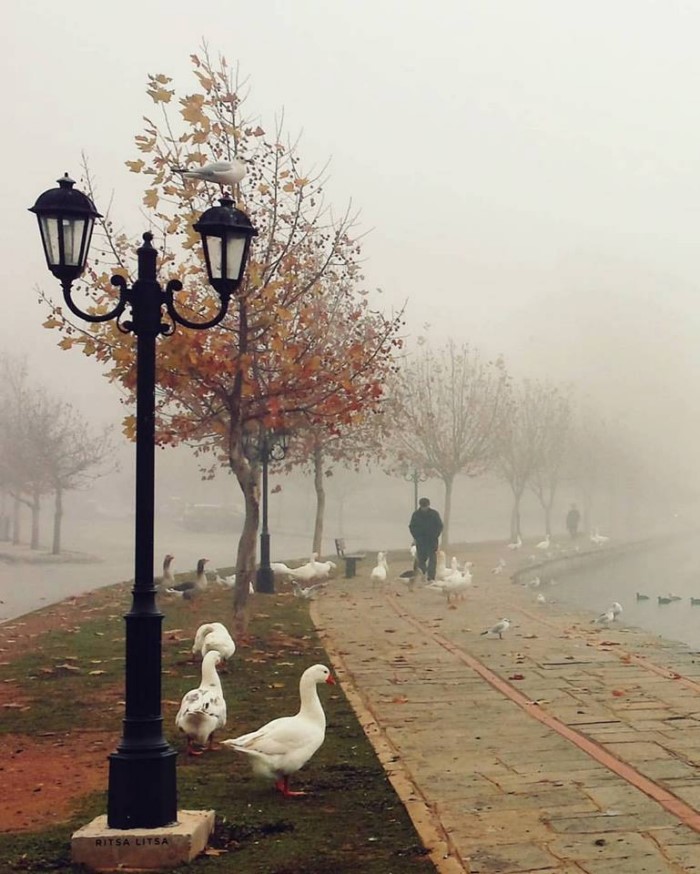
(320, 500)
(515, 531)
(548, 519)
(248, 476)
(16, 520)
(448, 511)
(57, 518)
(36, 510)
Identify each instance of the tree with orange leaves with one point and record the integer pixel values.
(301, 343)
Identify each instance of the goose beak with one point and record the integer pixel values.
(330, 680)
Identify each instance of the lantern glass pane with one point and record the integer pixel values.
(49, 234)
(73, 232)
(235, 247)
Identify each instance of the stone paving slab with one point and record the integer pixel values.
(500, 787)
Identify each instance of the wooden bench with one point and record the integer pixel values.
(350, 558)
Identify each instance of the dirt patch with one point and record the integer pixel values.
(44, 778)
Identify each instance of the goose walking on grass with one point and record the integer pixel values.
(190, 588)
(281, 747)
(213, 637)
(168, 578)
(203, 710)
(515, 544)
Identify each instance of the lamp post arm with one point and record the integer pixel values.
(173, 286)
(114, 313)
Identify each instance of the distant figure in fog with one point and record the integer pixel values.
(573, 518)
(426, 527)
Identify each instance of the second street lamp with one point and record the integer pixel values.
(142, 779)
(415, 477)
(265, 446)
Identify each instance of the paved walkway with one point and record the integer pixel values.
(561, 748)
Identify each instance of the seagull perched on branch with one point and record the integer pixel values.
(220, 172)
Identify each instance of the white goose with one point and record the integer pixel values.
(441, 570)
(380, 571)
(323, 569)
(305, 573)
(544, 544)
(214, 636)
(515, 544)
(203, 710)
(285, 745)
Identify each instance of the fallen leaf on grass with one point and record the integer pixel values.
(516, 677)
(399, 699)
(96, 673)
(618, 693)
(212, 851)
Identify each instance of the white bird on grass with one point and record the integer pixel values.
(515, 544)
(279, 568)
(229, 581)
(220, 172)
(213, 636)
(598, 538)
(544, 544)
(501, 626)
(281, 747)
(323, 569)
(616, 608)
(307, 592)
(203, 710)
(541, 599)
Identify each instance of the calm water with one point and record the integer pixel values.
(673, 568)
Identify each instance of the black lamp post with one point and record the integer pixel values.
(142, 779)
(265, 446)
(415, 478)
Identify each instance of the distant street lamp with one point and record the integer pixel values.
(265, 446)
(142, 779)
(415, 477)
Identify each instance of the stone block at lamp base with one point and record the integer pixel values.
(100, 848)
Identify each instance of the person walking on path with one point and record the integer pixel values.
(425, 527)
(573, 517)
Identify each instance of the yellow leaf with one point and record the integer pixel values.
(160, 95)
(135, 166)
(66, 343)
(150, 198)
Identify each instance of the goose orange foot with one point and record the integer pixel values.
(282, 785)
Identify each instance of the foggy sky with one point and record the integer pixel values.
(529, 171)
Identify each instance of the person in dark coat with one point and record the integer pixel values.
(573, 518)
(425, 527)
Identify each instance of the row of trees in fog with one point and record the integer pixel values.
(46, 449)
(455, 413)
(303, 348)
